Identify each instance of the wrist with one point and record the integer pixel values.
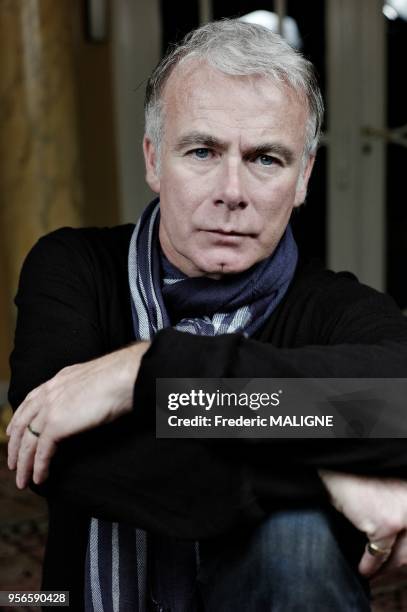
(129, 360)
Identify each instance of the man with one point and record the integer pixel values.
(233, 116)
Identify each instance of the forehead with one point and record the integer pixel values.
(197, 95)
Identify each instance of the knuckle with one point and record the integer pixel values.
(55, 384)
(49, 395)
(64, 372)
(369, 527)
(393, 524)
(49, 387)
(41, 454)
(26, 445)
(35, 397)
(52, 423)
(17, 421)
(32, 394)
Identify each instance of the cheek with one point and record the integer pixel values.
(276, 205)
(177, 212)
(275, 214)
(284, 192)
(188, 183)
(274, 193)
(177, 190)
(180, 204)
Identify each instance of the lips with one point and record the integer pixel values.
(223, 232)
(227, 232)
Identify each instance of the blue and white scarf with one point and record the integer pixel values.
(161, 295)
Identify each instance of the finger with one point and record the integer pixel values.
(371, 563)
(9, 426)
(25, 460)
(23, 416)
(398, 558)
(12, 421)
(14, 445)
(46, 448)
(28, 406)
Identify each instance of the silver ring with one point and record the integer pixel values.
(377, 551)
(33, 431)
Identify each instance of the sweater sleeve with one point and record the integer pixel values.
(344, 330)
(57, 313)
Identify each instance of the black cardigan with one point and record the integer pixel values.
(74, 305)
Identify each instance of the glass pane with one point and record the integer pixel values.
(309, 221)
(177, 19)
(396, 209)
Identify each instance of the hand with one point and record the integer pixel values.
(78, 398)
(378, 507)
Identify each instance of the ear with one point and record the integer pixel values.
(150, 158)
(303, 179)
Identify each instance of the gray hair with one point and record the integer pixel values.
(240, 49)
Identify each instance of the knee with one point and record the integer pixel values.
(293, 543)
(300, 558)
(293, 558)
(297, 543)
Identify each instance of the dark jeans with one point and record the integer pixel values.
(296, 561)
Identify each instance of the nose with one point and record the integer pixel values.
(230, 187)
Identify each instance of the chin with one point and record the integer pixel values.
(220, 268)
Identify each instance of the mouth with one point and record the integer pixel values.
(231, 233)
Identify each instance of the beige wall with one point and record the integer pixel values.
(93, 67)
(5, 318)
(57, 141)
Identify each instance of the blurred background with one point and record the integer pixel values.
(72, 79)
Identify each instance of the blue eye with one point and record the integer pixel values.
(266, 160)
(201, 153)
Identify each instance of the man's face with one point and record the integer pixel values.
(231, 168)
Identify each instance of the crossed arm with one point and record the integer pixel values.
(84, 396)
(124, 473)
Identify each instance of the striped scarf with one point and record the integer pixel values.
(117, 577)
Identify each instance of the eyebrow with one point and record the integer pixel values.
(200, 138)
(273, 148)
(207, 140)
